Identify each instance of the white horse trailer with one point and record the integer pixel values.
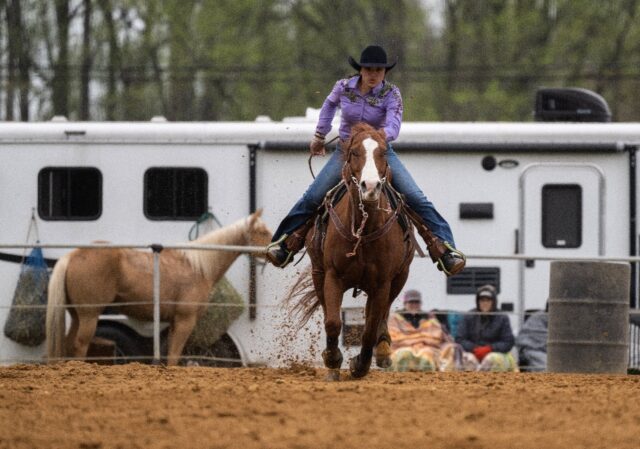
(537, 189)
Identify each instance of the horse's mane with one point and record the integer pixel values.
(206, 262)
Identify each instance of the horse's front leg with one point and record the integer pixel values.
(377, 312)
(332, 295)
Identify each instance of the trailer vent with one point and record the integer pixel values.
(468, 281)
(476, 211)
(570, 105)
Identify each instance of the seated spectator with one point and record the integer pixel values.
(419, 342)
(532, 342)
(487, 334)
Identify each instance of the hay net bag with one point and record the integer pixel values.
(26, 321)
(224, 307)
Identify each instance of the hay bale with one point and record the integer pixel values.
(26, 321)
(225, 306)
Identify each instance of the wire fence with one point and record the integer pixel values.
(156, 357)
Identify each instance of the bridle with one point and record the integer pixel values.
(349, 179)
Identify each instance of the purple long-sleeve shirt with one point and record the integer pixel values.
(380, 108)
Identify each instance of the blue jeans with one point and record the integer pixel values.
(330, 175)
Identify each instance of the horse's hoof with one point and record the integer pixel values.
(383, 353)
(331, 359)
(356, 372)
(333, 375)
(383, 362)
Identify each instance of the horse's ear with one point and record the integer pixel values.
(254, 217)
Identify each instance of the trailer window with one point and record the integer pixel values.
(175, 193)
(70, 193)
(561, 216)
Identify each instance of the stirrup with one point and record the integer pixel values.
(450, 249)
(278, 244)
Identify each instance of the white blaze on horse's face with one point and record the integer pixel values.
(370, 182)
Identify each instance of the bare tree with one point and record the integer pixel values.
(60, 81)
(24, 68)
(2, 53)
(87, 61)
(114, 61)
(182, 79)
(12, 17)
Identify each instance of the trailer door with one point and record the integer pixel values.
(561, 215)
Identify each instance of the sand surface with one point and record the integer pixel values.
(88, 406)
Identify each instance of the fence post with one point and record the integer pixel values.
(157, 249)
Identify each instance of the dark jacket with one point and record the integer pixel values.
(485, 329)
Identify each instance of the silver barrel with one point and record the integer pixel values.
(588, 317)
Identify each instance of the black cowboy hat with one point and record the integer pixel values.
(372, 56)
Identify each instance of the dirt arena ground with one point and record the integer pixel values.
(86, 406)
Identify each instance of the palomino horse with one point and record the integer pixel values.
(103, 276)
(364, 248)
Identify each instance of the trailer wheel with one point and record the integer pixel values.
(223, 353)
(128, 345)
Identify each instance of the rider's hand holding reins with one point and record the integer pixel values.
(317, 145)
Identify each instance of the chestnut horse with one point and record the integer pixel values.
(104, 276)
(364, 248)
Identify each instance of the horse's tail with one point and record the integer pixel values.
(302, 299)
(57, 298)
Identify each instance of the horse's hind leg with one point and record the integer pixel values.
(383, 341)
(78, 341)
(382, 350)
(383, 345)
(71, 336)
(332, 302)
(179, 333)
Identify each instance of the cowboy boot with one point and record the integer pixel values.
(281, 252)
(448, 259)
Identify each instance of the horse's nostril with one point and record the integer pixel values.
(370, 185)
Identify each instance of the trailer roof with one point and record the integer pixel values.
(427, 136)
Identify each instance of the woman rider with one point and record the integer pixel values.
(365, 97)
